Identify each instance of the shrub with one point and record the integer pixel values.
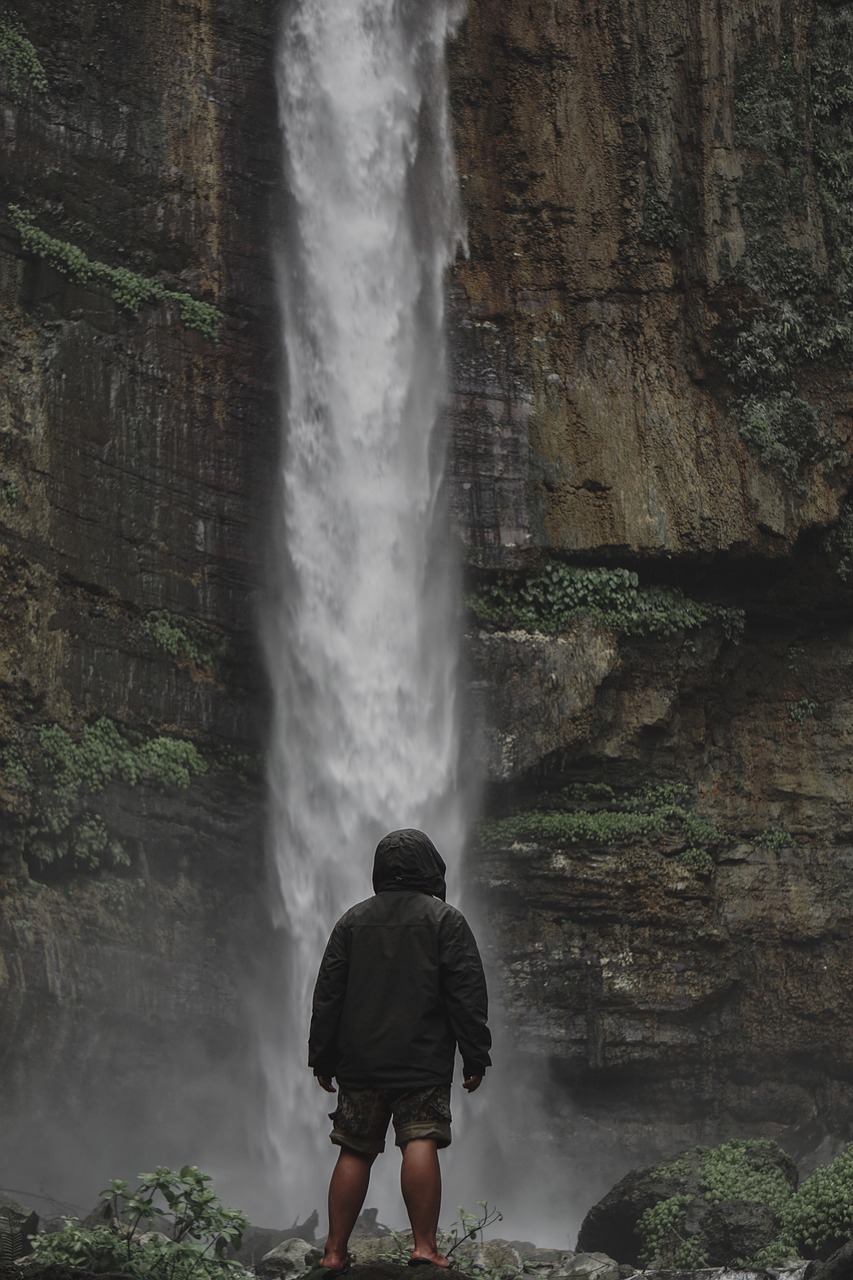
(73, 771)
(193, 1231)
(184, 638)
(548, 601)
(645, 814)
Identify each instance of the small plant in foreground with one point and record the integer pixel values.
(172, 1226)
(468, 1226)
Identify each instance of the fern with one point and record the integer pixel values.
(11, 1237)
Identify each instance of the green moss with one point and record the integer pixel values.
(548, 601)
(19, 54)
(10, 493)
(129, 289)
(183, 638)
(645, 815)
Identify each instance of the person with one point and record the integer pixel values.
(400, 987)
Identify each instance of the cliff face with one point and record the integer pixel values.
(652, 373)
(645, 192)
(651, 344)
(134, 446)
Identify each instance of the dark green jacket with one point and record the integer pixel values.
(401, 983)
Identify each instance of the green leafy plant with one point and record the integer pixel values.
(733, 1171)
(171, 1226)
(818, 1219)
(548, 601)
(728, 1172)
(20, 57)
(802, 709)
(129, 289)
(11, 1237)
(661, 1230)
(13, 768)
(468, 1226)
(652, 813)
(61, 776)
(184, 638)
(10, 493)
(774, 839)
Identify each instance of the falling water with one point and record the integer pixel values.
(362, 647)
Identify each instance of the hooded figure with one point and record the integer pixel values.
(401, 984)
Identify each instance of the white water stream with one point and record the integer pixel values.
(362, 644)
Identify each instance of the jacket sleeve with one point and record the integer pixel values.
(329, 994)
(463, 985)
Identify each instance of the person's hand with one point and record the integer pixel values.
(470, 1083)
(325, 1082)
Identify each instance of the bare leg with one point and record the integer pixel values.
(420, 1182)
(347, 1189)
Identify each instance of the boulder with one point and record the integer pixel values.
(538, 1261)
(257, 1242)
(495, 1256)
(724, 1215)
(18, 1224)
(838, 1266)
(290, 1258)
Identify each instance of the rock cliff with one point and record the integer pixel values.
(651, 339)
(136, 432)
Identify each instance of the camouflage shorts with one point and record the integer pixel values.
(360, 1120)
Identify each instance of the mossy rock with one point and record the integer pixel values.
(708, 1206)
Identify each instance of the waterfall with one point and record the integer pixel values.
(362, 640)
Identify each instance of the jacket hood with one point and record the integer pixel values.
(408, 859)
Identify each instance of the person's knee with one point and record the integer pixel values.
(346, 1153)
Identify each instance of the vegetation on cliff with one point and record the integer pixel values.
(129, 289)
(794, 316)
(596, 814)
(20, 56)
(55, 780)
(547, 602)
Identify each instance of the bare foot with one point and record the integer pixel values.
(332, 1261)
(421, 1258)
